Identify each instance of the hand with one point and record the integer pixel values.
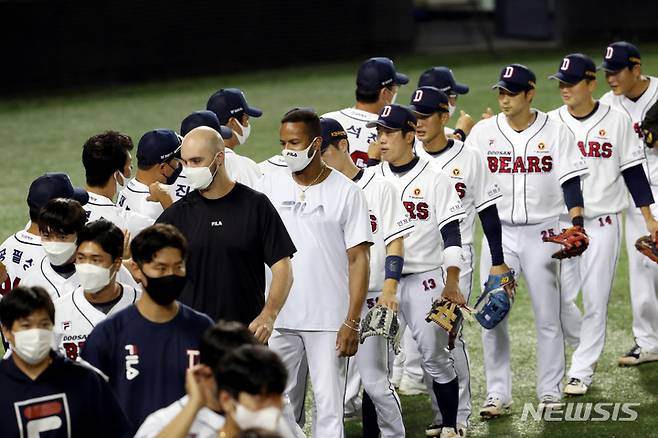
(652, 226)
(487, 113)
(465, 122)
(388, 300)
(347, 341)
(158, 192)
(452, 293)
(126, 244)
(375, 151)
(262, 326)
(502, 269)
(193, 388)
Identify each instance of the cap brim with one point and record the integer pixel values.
(425, 110)
(460, 88)
(401, 79)
(381, 123)
(512, 88)
(609, 67)
(253, 112)
(225, 132)
(559, 76)
(80, 195)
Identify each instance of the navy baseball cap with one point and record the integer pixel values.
(204, 118)
(157, 146)
(332, 132)
(230, 102)
(619, 55)
(377, 73)
(516, 78)
(442, 78)
(395, 117)
(429, 100)
(574, 68)
(51, 186)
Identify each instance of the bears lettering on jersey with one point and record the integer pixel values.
(530, 164)
(417, 210)
(373, 223)
(460, 187)
(595, 149)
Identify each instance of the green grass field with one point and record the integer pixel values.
(43, 134)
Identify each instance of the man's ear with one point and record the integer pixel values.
(6, 332)
(530, 94)
(410, 137)
(136, 272)
(344, 146)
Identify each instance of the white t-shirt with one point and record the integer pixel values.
(57, 286)
(388, 221)
(101, 207)
(354, 123)
(608, 145)
(528, 166)
(636, 111)
(133, 198)
(75, 318)
(206, 423)
(430, 201)
(20, 253)
(241, 169)
(475, 187)
(332, 218)
(275, 163)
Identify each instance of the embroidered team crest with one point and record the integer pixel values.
(456, 172)
(602, 133)
(541, 146)
(417, 191)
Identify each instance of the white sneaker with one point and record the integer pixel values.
(549, 401)
(494, 407)
(575, 387)
(409, 386)
(636, 356)
(449, 432)
(396, 376)
(434, 430)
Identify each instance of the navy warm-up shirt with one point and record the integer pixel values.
(230, 239)
(66, 400)
(146, 361)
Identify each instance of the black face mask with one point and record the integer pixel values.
(164, 290)
(174, 176)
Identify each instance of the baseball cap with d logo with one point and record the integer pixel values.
(574, 68)
(429, 100)
(619, 55)
(395, 117)
(516, 78)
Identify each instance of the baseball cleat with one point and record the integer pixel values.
(636, 356)
(494, 407)
(575, 387)
(396, 376)
(549, 402)
(433, 430)
(449, 432)
(409, 386)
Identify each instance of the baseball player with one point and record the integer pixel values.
(276, 163)
(97, 263)
(149, 192)
(538, 170)
(327, 217)
(389, 226)
(611, 150)
(634, 93)
(466, 169)
(433, 253)
(107, 162)
(22, 251)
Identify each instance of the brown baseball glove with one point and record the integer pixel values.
(647, 246)
(574, 242)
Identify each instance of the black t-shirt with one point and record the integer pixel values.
(66, 400)
(230, 239)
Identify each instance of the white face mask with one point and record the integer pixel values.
(59, 252)
(33, 345)
(267, 418)
(298, 160)
(246, 130)
(120, 185)
(395, 96)
(92, 278)
(200, 177)
(451, 109)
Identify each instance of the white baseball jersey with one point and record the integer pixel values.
(75, 318)
(19, 253)
(388, 221)
(180, 188)
(57, 286)
(101, 207)
(475, 187)
(206, 424)
(636, 111)
(354, 122)
(608, 145)
(332, 218)
(133, 198)
(241, 169)
(528, 166)
(431, 202)
(275, 163)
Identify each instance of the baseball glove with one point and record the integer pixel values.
(647, 246)
(381, 321)
(574, 242)
(448, 316)
(496, 299)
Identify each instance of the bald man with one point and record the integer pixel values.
(232, 231)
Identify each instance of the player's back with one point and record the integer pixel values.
(20, 253)
(102, 207)
(134, 198)
(354, 122)
(241, 169)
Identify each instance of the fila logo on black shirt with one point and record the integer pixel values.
(216, 224)
(132, 359)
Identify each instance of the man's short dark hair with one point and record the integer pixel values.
(221, 338)
(63, 216)
(253, 369)
(308, 117)
(103, 154)
(154, 238)
(105, 234)
(23, 301)
(366, 96)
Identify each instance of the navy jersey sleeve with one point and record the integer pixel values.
(96, 349)
(277, 243)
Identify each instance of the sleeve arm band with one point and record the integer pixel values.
(452, 244)
(493, 231)
(573, 195)
(452, 256)
(393, 267)
(638, 185)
